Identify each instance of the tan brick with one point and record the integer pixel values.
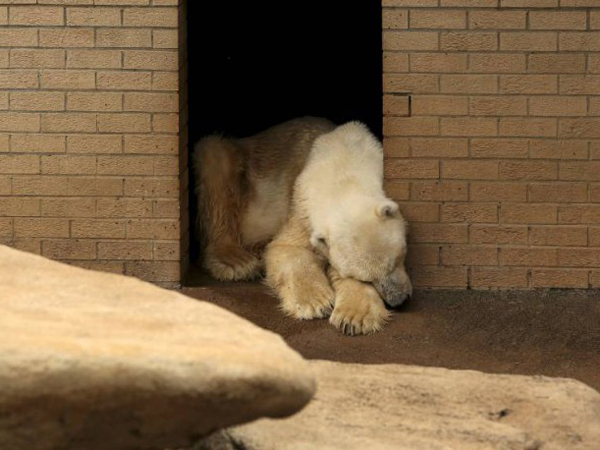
(410, 40)
(557, 20)
(150, 59)
(498, 277)
(438, 62)
(150, 17)
(123, 38)
(498, 234)
(595, 278)
(530, 3)
(18, 79)
(19, 207)
(41, 228)
(167, 251)
(167, 209)
(580, 171)
(100, 266)
(96, 144)
(152, 187)
(588, 41)
(94, 101)
(68, 122)
(579, 257)
(69, 207)
(165, 123)
(530, 257)
(439, 105)
(36, 15)
(513, 126)
(439, 191)
(94, 186)
(153, 229)
(154, 271)
(39, 185)
(595, 192)
(422, 255)
(397, 190)
(152, 144)
(529, 41)
(594, 234)
(579, 214)
(123, 250)
(395, 19)
(19, 164)
(93, 17)
(99, 229)
(469, 213)
(579, 128)
(558, 193)
(528, 84)
(94, 59)
(559, 278)
(469, 126)
(411, 168)
(470, 3)
(410, 83)
(151, 102)
(594, 150)
(558, 236)
(498, 192)
(395, 147)
(469, 255)
(469, 84)
(6, 227)
(439, 147)
(395, 62)
(468, 41)
(445, 19)
(492, 105)
(528, 213)
(123, 123)
(528, 170)
(410, 126)
(5, 185)
(396, 105)
(125, 165)
(420, 212)
(36, 143)
(557, 106)
(470, 170)
(68, 79)
(165, 81)
(497, 63)
(37, 59)
(553, 149)
(37, 101)
(124, 80)
(431, 276)
(499, 148)
(556, 63)
(29, 245)
(497, 20)
(69, 249)
(123, 208)
(439, 233)
(67, 37)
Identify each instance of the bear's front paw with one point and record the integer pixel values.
(312, 299)
(359, 311)
(231, 263)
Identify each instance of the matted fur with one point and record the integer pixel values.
(244, 187)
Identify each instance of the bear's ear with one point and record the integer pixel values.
(387, 209)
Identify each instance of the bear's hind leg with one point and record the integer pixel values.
(220, 181)
(359, 309)
(297, 275)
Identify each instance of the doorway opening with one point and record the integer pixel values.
(253, 65)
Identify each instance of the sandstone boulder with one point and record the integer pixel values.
(408, 407)
(99, 361)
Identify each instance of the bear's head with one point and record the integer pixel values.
(366, 240)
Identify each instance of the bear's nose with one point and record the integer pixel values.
(396, 300)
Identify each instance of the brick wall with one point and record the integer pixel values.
(89, 133)
(492, 126)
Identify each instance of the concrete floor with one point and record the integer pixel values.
(554, 333)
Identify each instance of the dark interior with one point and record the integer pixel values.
(253, 65)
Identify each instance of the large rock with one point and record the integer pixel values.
(98, 361)
(408, 407)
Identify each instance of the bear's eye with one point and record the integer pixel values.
(322, 241)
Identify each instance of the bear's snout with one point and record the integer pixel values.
(393, 294)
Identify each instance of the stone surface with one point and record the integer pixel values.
(98, 361)
(409, 407)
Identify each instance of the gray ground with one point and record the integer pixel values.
(555, 333)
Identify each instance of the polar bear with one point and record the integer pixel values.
(244, 187)
(341, 252)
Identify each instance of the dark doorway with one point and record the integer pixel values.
(253, 65)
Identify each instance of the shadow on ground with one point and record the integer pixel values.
(554, 333)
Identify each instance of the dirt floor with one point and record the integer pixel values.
(555, 333)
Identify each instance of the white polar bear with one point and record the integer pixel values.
(341, 252)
